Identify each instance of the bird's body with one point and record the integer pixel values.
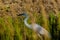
(37, 28)
(40, 30)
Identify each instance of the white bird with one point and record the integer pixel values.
(37, 28)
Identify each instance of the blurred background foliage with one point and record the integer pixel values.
(44, 12)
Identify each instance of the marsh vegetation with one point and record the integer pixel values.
(44, 12)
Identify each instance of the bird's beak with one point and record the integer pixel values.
(20, 14)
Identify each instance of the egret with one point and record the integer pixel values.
(37, 28)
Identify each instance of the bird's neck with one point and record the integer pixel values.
(25, 21)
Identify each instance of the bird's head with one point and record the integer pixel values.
(23, 14)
